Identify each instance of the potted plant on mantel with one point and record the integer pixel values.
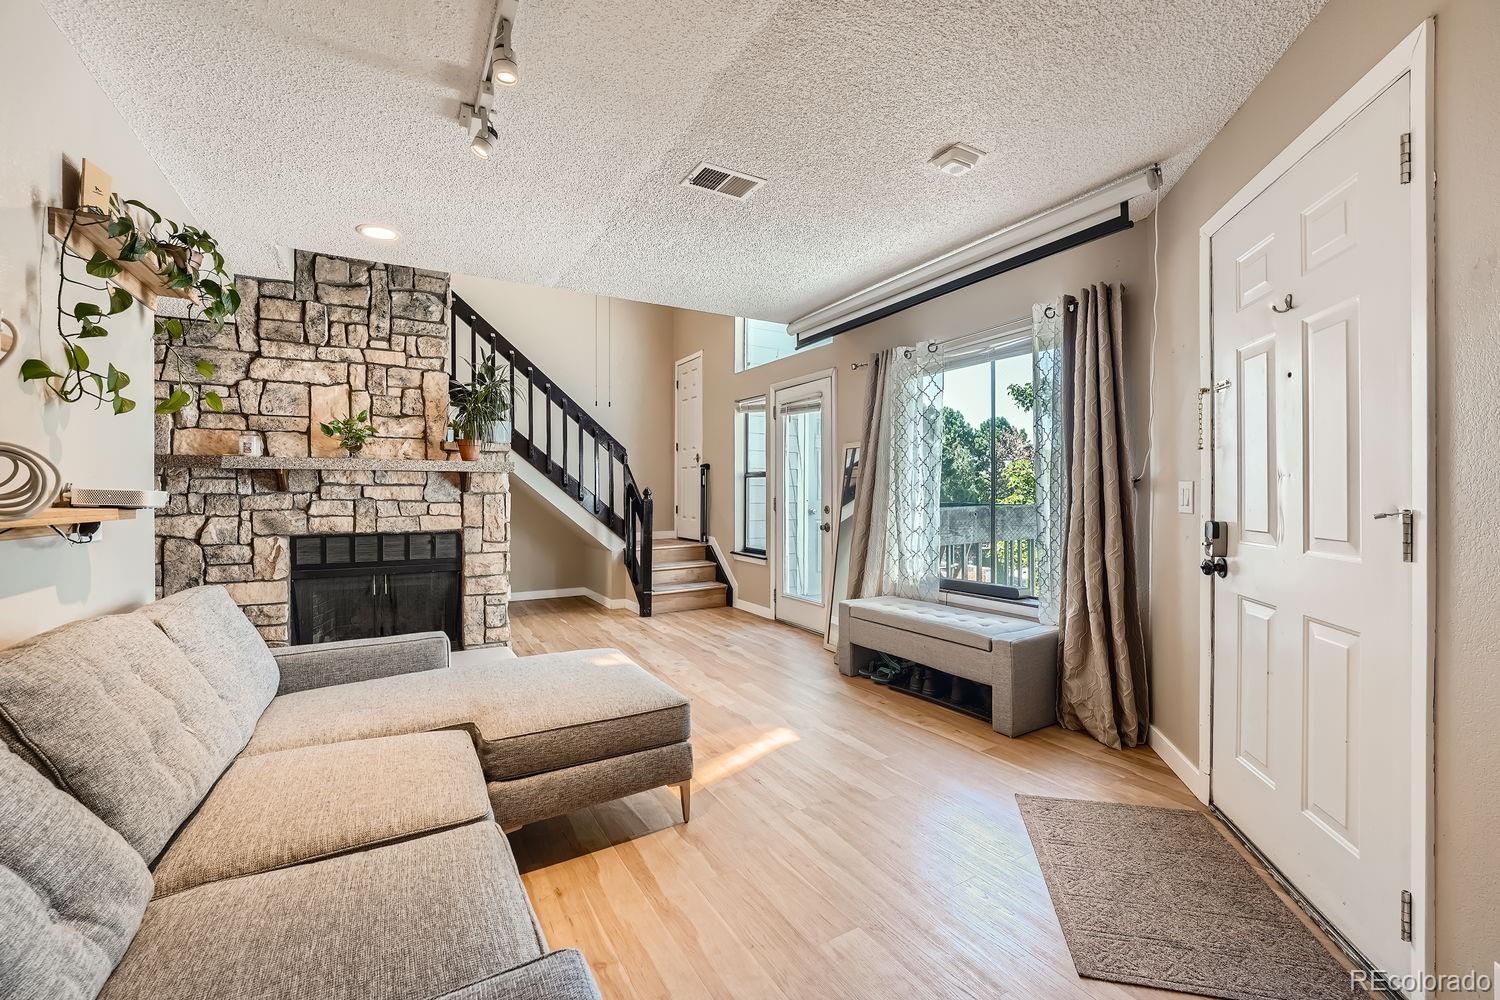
(350, 432)
(479, 406)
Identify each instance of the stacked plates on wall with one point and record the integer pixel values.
(29, 483)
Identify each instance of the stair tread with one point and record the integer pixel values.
(658, 546)
(675, 588)
(688, 564)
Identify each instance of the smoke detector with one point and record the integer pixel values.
(957, 159)
(722, 180)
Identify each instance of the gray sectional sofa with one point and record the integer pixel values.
(187, 814)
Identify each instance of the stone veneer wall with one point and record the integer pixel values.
(343, 336)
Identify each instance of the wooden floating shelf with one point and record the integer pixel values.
(91, 234)
(41, 525)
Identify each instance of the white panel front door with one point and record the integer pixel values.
(689, 384)
(1312, 661)
(799, 464)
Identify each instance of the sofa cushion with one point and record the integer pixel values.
(219, 640)
(975, 629)
(71, 890)
(558, 975)
(415, 919)
(529, 715)
(118, 716)
(296, 806)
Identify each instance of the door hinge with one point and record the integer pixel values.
(676, 509)
(1405, 157)
(1405, 915)
(1406, 549)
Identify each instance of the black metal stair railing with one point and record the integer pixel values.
(558, 438)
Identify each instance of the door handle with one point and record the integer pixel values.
(1398, 512)
(825, 526)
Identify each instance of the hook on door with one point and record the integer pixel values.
(1286, 305)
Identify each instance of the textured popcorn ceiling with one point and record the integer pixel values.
(286, 123)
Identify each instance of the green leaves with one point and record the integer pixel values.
(186, 260)
(174, 402)
(34, 368)
(101, 266)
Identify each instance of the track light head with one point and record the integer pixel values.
(484, 143)
(504, 71)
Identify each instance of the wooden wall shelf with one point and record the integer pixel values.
(61, 518)
(136, 276)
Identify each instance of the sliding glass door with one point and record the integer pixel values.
(802, 501)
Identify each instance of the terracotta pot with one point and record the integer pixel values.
(468, 449)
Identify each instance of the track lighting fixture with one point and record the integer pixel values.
(501, 69)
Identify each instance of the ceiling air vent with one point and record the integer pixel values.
(722, 180)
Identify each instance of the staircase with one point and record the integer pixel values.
(556, 436)
(683, 578)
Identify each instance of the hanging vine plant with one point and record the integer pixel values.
(185, 259)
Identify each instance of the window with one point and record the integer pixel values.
(989, 519)
(757, 342)
(750, 485)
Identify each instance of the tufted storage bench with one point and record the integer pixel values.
(1015, 656)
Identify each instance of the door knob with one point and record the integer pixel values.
(825, 526)
(1218, 565)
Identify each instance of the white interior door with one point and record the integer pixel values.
(689, 383)
(1312, 628)
(799, 459)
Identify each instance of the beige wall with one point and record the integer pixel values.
(1339, 47)
(52, 116)
(1124, 257)
(548, 552)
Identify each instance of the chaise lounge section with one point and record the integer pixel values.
(185, 814)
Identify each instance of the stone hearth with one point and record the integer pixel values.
(341, 337)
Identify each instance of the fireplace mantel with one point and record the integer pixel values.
(496, 460)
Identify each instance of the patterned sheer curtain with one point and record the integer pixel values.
(897, 515)
(1049, 432)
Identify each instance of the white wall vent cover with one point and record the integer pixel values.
(722, 180)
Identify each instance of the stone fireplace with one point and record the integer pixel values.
(343, 336)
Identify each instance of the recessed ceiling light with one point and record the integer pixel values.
(371, 231)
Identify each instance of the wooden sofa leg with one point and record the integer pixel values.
(685, 789)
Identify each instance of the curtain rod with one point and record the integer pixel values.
(976, 337)
(1092, 216)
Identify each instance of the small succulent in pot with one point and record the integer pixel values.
(350, 432)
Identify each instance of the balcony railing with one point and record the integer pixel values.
(984, 544)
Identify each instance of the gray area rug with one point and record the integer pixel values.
(1158, 897)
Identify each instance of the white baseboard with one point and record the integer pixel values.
(754, 609)
(1191, 775)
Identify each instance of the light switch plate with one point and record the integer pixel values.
(1185, 496)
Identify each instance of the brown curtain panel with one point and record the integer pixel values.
(1103, 687)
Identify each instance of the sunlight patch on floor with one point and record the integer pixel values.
(742, 756)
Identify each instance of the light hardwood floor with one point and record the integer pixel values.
(846, 840)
